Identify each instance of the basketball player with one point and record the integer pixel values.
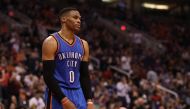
(65, 64)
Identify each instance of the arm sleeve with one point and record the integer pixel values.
(52, 84)
(84, 79)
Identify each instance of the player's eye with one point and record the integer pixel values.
(77, 17)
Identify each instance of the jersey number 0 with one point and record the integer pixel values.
(71, 76)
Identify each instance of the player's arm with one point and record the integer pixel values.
(84, 77)
(49, 48)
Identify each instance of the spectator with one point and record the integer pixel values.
(123, 90)
(36, 102)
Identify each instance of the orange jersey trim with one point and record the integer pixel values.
(74, 40)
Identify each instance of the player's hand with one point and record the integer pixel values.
(90, 104)
(67, 104)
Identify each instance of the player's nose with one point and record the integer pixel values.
(78, 21)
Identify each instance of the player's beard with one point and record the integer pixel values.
(74, 27)
(77, 30)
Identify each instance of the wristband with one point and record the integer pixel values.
(90, 102)
(65, 100)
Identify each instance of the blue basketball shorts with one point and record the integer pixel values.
(75, 96)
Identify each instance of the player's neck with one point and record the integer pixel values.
(66, 34)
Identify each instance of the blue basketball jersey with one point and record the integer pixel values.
(68, 58)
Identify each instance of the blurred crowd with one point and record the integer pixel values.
(22, 85)
(149, 70)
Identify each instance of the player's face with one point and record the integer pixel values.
(73, 21)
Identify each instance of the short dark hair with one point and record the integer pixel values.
(65, 10)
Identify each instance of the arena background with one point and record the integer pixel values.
(140, 51)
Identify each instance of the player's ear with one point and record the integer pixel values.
(63, 19)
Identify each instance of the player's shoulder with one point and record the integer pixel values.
(84, 42)
(49, 39)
